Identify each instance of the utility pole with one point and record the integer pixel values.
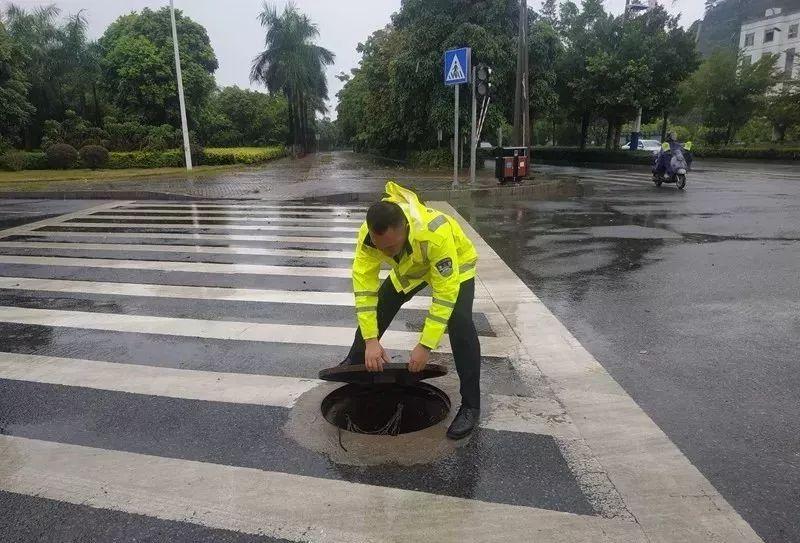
(637, 126)
(184, 126)
(521, 133)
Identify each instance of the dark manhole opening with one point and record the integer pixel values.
(385, 409)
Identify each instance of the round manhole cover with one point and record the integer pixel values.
(385, 409)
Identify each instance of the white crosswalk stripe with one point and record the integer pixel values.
(107, 344)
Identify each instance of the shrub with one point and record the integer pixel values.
(61, 156)
(94, 156)
(36, 161)
(126, 136)
(161, 138)
(431, 159)
(14, 160)
(146, 159)
(242, 155)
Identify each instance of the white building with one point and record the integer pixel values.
(776, 33)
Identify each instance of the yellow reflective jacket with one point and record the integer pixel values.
(437, 252)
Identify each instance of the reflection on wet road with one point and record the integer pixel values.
(691, 301)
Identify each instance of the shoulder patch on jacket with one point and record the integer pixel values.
(445, 267)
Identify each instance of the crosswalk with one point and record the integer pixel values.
(158, 372)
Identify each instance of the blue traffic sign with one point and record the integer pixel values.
(457, 66)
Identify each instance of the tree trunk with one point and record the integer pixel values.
(554, 132)
(584, 129)
(609, 133)
(98, 118)
(729, 135)
(664, 126)
(617, 134)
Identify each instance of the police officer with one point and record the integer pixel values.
(423, 247)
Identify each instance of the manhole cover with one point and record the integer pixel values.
(392, 373)
(385, 408)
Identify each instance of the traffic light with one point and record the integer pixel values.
(482, 74)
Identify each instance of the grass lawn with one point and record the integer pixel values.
(104, 175)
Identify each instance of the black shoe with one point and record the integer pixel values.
(465, 422)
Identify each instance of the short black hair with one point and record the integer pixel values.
(384, 215)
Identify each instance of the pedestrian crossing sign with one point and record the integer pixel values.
(457, 66)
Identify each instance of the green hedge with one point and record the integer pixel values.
(172, 158)
(592, 154)
(145, 159)
(242, 155)
(575, 155)
(751, 153)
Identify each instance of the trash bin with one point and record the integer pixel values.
(511, 165)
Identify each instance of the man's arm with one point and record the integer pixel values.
(445, 285)
(366, 267)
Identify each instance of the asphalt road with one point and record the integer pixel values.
(691, 300)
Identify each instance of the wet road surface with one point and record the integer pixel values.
(161, 366)
(691, 300)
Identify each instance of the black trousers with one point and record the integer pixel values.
(460, 328)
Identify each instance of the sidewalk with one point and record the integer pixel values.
(338, 176)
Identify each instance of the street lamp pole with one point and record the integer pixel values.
(637, 127)
(184, 126)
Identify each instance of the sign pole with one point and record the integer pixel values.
(456, 140)
(474, 138)
(457, 68)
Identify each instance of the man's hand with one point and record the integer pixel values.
(374, 356)
(419, 358)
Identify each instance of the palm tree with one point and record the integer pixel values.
(293, 64)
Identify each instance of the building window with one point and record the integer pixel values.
(793, 31)
(789, 63)
(769, 35)
(749, 40)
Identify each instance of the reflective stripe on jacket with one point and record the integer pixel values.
(437, 252)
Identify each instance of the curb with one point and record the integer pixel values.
(543, 187)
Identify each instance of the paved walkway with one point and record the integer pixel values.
(322, 175)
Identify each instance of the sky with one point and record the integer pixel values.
(237, 37)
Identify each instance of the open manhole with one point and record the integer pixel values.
(391, 402)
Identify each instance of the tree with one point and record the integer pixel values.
(58, 63)
(544, 50)
(395, 99)
(139, 68)
(237, 117)
(15, 109)
(727, 91)
(672, 56)
(294, 65)
(782, 108)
